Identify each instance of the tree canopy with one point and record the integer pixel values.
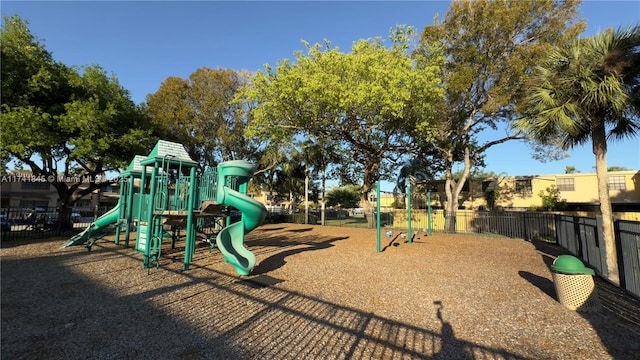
(364, 100)
(346, 197)
(199, 114)
(489, 49)
(67, 123)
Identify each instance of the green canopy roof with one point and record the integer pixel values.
(170, 150)
(134, 165)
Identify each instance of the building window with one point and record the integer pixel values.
(43, 204)
(35, 185)
(566, 184)
(431, 188)
(523, 186)
(617, 183)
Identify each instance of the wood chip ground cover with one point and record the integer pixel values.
(316, 293)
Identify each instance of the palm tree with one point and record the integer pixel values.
(318, 156)
(413, 169)
(590, 90)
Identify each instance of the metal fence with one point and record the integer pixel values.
(522, 225)
(582, 237)
(628, 245)
(38, 223)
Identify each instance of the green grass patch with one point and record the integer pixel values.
(349, 222)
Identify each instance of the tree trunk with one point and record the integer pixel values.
(370, 177)
(451, 207)
(66, 203)
(64, 218)
(369, 210)
(600, 151)
(292, 203)
(453, 189)
(450, 220)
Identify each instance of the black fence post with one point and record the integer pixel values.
(620, 255)
(525, 234)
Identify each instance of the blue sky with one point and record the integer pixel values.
(144, 42)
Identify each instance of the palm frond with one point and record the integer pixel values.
(590, 79)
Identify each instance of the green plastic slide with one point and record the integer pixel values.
(230, 239)
(110, 217)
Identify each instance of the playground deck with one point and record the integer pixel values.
(316, 293)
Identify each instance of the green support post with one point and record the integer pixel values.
(121, 211)
(409, 230)
(429, 213)
(151, 224)
(141, 230)
(190, 241)
(129, 211)
(378, 214)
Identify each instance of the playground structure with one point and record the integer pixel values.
(410, 219)
(161, 192)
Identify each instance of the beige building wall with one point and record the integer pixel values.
(624, 187)
(522, 192)
(17, 191)
(21, 190)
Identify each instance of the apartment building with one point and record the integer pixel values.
(579, 190)
(23, 190)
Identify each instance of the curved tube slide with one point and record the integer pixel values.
(230, 239)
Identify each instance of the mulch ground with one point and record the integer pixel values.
(316, 293)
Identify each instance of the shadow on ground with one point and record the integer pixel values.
(196, 314)
(541, 282)
(298, 245)
(62, 314)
